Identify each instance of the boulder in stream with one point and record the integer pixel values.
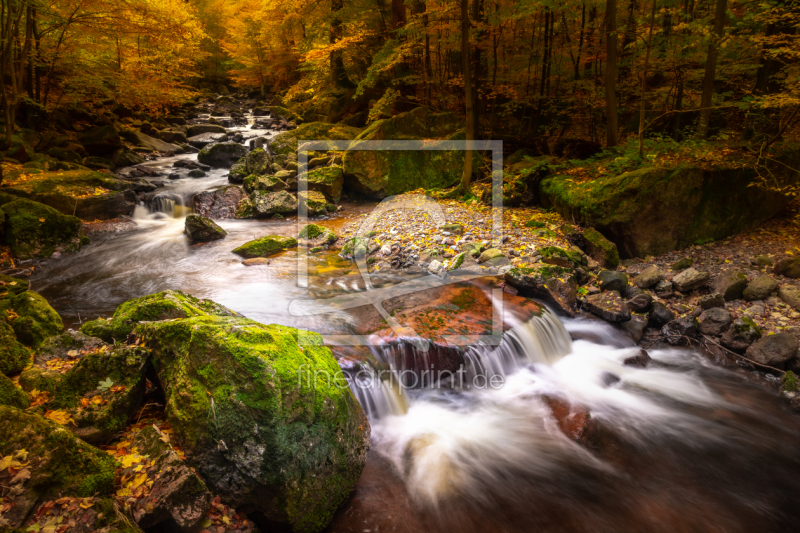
(219, 204)
(265, 203)
(265, 246)
(221, 155)
(554, 284)
(35, 230)
(261, 426)
(202, 229)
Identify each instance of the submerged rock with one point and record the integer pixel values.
(159, 306)
(256, 421)
(202, 229)
(34, 230)
(268, 245)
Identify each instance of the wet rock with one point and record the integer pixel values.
(269, 203)
(157, 144)
(789, 267)
(316, 428)
(265, 246)
(100, 411)
(263, 183)
(641, 359)
(640, 303)
(608, 305)
(774, 350)
(313, 235)
(663, 286)
(760, 288)
(219, 204)
(314, 203)
(178, 495)
(649, 277)
(256, 261)
(65, 346)
(196, 174)
(153, 307)
(790, 294)
(741, 334)
(680, 331)
(221, 155)
(202, 229)
(555, 285)
(14, 357)
(34, 230)
(101, 140)
(611, 280)
(636, 326)
(600, 249)
(690, 279)
(714, 321)
(709, 301)
(205, 139)
(199, 129)
(660, 315)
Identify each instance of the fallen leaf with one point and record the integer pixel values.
(60, 416)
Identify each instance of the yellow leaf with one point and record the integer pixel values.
(97, 400)
(84, 402)
(86, 503)
(60, 416)
(124, 493)
(138, 480)
(41, 220)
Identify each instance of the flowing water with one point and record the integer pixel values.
(540, 433)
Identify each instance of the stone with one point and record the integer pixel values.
(648, 277)
(197, 173)
(690, 279)
(157, 144)
(254, 183)
(289, 445)
(199, 129)
(202, 229)
(660, 315)
(65, 345)
(555, 285)
(101, 140)
(641, 359)
(730, 283)
(774, 350)
(95, 422)
(600, 249)
(36, 320)
(741, 334)
(682, 264)
(204, 139)
(714, 321)
(314, 203)
(611, 280)
(178, 495)
(680, 331)
(11, 395)
(609, 306)
(640, 303)
(656, 209)
(35, 230)
(219, 204)
(760, 288)
(221, 155)
(313, 235)
(14, 357)
(436, 268)
(164, 305)
(663, 286)
(553, 255)
(788, 266)
(790, 295)
(636, 326)
(327, 180)
(712, 300)
(256, 261)
(491, 253)
(455, 229)
(763, 261)
(269, 203)
(266, 246)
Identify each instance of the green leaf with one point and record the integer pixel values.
(105, 385)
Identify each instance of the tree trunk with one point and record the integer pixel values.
(338, 74)
(466, 177)
(612, 118)
(711, 66)
(644, 78)
(477, 13)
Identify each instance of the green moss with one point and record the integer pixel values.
(600, 246)
(12, 395)
(311, 231)
(790, 383)
(153, 307)
(750, 323)
(327, 180)
(36, 320)
(13, 355)
(682, 264)
(286, 142)
(35, 230)
(535, 224)
(265, 246)
(567, 257)
(355, 247)
(458, 261)
(314, 201)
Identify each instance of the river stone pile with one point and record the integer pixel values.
(255, 432)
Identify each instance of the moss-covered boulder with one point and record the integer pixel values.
(658, 209)
(101, 140)
(31, 318)
(85, 193)
(553, 255)
(66, 346)
(267, 423)
(59, 464)
(238, 172)
(354, 248)
(265, 246)
(12, 395)
(313, 235)
(327, 180)
(382, 173)
(153, 307)
(265, 203)
(314, 203)
(101, 392)
(34, 230)
(14, 357)
(255, 183)
(553, 284)
(601, 249)
(11, 286)
(286, 143)
(258, 162)
(202, 229)
(221, 155)
(221, 203)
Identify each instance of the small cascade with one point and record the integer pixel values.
(406, 364)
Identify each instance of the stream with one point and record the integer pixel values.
(679, 445)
